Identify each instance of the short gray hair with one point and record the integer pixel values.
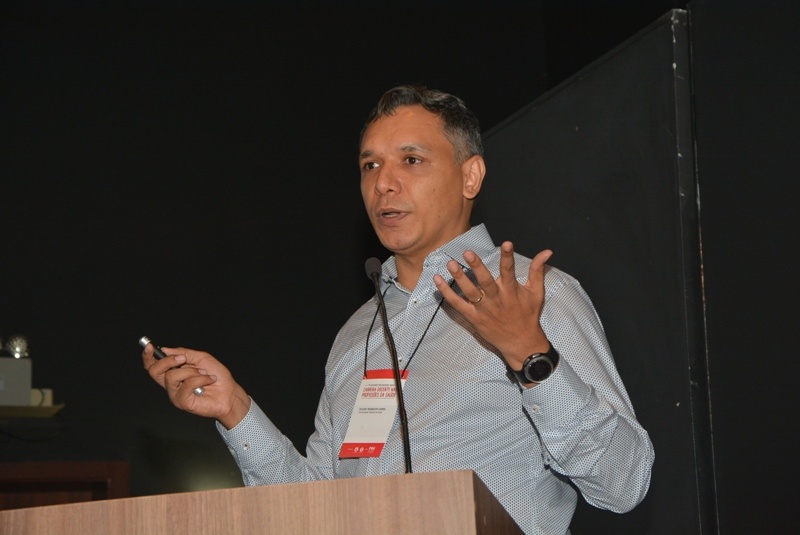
(460, 125)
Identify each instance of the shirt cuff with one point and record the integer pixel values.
(251, 439)
(557, 400)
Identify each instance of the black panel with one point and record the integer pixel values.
(746, 58)
(601, 171)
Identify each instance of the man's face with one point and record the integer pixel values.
(416, 195)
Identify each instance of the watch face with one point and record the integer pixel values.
(539, 368)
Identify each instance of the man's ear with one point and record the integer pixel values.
(473, 170)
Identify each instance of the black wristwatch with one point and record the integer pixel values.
(538, 367)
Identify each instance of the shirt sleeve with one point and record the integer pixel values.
(582, 413)
(265, 456)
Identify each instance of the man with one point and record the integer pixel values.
(509, 371)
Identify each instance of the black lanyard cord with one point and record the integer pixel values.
(427, 327)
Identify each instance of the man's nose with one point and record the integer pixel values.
(387, 180)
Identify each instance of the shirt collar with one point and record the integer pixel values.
(476, 239)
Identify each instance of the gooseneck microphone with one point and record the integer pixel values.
(374, 270)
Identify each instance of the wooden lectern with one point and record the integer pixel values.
(436, 502)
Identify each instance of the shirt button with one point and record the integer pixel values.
(245, 446)
(535, 408)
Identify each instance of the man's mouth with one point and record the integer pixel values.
(390, 215)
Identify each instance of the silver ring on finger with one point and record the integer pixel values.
(199, 391)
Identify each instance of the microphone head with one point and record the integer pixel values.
(373, 267)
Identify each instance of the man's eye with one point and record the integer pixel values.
(369, 165)
(413, 160)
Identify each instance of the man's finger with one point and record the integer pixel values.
(508, 274)
(449, 295)
(482, 274)
(536, 271)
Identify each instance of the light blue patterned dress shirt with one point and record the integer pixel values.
(464, 409)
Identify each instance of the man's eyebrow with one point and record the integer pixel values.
(415, 148)
(412, 147)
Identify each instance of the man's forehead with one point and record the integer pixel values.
(411, 113)
(408, 124)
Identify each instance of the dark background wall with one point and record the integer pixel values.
(187, 171)
(601, 171)
(746, 81)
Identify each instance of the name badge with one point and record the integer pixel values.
(373, 415)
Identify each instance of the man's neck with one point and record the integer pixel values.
(409, 267)
(408, 271)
